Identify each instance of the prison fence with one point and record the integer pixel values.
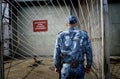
(22, 42)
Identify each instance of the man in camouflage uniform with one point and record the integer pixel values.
(70, 47)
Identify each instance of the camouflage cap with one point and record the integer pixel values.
(72, 19)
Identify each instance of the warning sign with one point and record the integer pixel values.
(40, 25)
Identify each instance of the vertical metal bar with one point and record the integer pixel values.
(106, 40)
(1, 44)
(102, 34)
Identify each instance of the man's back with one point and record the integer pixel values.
(72, 44)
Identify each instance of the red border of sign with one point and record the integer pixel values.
(40, 25)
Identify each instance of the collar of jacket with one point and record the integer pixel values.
(72, 28)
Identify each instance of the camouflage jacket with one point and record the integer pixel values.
(72, 44)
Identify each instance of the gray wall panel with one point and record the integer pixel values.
(114, 17)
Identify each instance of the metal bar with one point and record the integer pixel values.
(1, 44)
(102, 34)
(61, 8)
(83, 16)
(17, 23)
(19, 39)
(89, 17)
(66, 6)
(55, 8)
(106, 40)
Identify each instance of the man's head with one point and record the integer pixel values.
(72, 21)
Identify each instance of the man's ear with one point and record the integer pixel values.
(67, 24)
(76, 24)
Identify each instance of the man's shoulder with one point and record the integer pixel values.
(62, 32)
(81, 31)
(84, 32)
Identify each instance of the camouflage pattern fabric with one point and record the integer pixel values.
(70, 45)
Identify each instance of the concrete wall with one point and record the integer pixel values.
(42, 42)
(114, 18)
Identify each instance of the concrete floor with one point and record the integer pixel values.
(115, 68)
(24, 69)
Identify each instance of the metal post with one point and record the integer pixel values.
(106, 40)
(1, 44)
(103, 36)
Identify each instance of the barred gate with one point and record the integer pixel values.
(22, 43)
(90, 14)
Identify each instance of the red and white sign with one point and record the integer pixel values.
(40, 25)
